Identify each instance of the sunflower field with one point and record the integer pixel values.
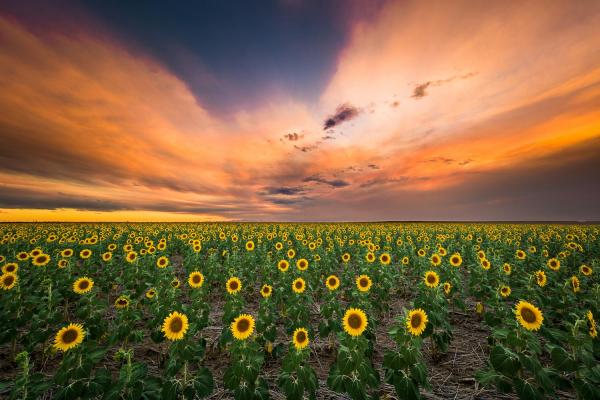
(256, 311)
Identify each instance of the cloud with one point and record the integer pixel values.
(334, 183)
(307, 148)
(284, 190)
(344, 112)
(373, 166)
(420, 89)
(292, 137)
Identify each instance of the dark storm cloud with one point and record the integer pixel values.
(420, 90)
(11, 197)
(284, 190)
(343, 112)
(335, 183)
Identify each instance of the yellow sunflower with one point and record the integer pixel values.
(278, 246)
(505, 291)
(175, 283)
(520, 254)
(385, 259)
(507, 268)
(345, 257)
(421, 253)
(131, 256)
(302, 264)
(266, 291)
(62, 263)
(363, 283)
(10, 268)
(8, 281)
(416, 321)
(592, 324)
(553, 264)
(85, 253)
(291, 253)
(585, 270)
(529, 316)
(300, 338)
(122, 302)
(106, 256)
(40, 260)
(66, 253)
(370, 257)
(447, 287)
(485, 264)
(233, 285)
(175, 326)
(298, 285)
(479, 308)
(435, 259)
(332, 282)
(162, 262)
(575, 284)
(22, 256)
(83, 285)
(456, 260)
(283, 265)
(196, 279)
(432, 279)
(250, 245)
(540, 277)
(355, 321)
(69, 337)
(242, 326)
(150, 293)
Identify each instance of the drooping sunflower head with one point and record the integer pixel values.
(447, 287)
(8, 280)
(332, 282)
(553, 264)
(233, 285)
(175, 325)
(122, 302)
(10, 268)
(62, 263)
(196, 280)
(481, 254)
(355, 321)
(299, 285)
(41, 260)
(505, 291)
(456, 260)
(585, 270)
(85, 253)
(250, 245)
(175, 283)
(385, 259)
(150, 293)
(593, 331)
(266, 291)
(435, 259)
(416, 321)
(283, 265)
(479, 308)
(83, 285)
(529, 316)
(540, 277)
(242, 327)
(300, 338)
(69, 337)
(302, 264)
(131, 256)
(575, 285)
(346, 257)
(432, 279)
(363, 283)
(162, 262)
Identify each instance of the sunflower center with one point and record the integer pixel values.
(430, 278)
(84, 284)
(355, 321)
(176, 325)
(298, 285)
(243, 325)
(69, 336)
(196, 279)
(455, 260)
(122, 302)
(528, 315)
(10, 268)
(364, 282)
(331, 281)
(301, 337)
(233, 285)
(415, 320)
(8, 280)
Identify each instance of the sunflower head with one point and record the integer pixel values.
(162, 262)
(575, 284)
(447, 287)
(250, 245)
(363, 283)
(41, 260)
(69, 337)
(175, 283)
(233, 285)
(370, 257)
(520, 254)
(540, 278)
(507, 268)
(150, 293)
(405, 260)
(106, 256)
(355, 321)
(122, 302)
(266, 291)
(332, 282)
(302, 264)
(585, 270)
(435, 259)
(8, 280)
(529, 316)
(385, 259)
(291, 253)
(242, 327)
(83, 285)
(416, 321)
(505, 291)
(299, 285)
(131, 256)
(346, 257)
(455, 260)
(553, 264)
(432, 279)
(85, 253)
(175, 325)
(485, 264)
(196, 280)
(22, 256)
(283, 265)
(10, 268)
(300, 338)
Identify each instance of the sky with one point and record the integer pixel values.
(297, 110)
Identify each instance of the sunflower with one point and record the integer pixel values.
(432, 279)
(291, 253)
(162, 262)
(370, 257)
(302, 264)
(332, 282)
(505, 291)
(520, 254)
(405, 260)
(233, 285)
(355, 321)
(122, 302)
(266, 291)
(8, 281)
(131, 256)
(346, 257)
(22, 256)
(421, 253)
(278, 246)
(83, 285)
(112, 247)
(575, 284)
(479, 307)
(300, 338)
(447, 287)
(507, 268)
(150, 293)
(435, 259)
(41, 260)
(385, 259)
(540, 277)
(85, 253)
(416, 321)
(553, 264)
(584, 269)
(529, 316)
(485, 264)
(242, 326)
(363, 283)
(592, 324)
(175, 326)
(250, 245)
(455, 260)
(283, 265)
(175, 283)
(69, 337)
(35, 252)
(10, 268)
(106, 256)
(196, 279)
(298, 286)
